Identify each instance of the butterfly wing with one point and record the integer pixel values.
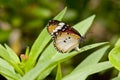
(52, 25)
(66, 41)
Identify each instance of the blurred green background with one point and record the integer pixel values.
(21, 21)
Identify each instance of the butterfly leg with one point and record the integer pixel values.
(77, 48)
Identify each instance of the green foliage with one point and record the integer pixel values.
(14, 69)
(59, 73)
(40, 44)
(117, 78)
(89, 66)
(8, 71)
(114, 55)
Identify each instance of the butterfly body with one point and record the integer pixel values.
(64, 36)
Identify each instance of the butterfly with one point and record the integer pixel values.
(65, 37)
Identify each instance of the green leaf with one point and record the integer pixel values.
(88, 70)
(40, 43)
(118, 42)
(6, 55)
(92, 59)
(83, 26)
(117, 78)
(59, 73)
(8, 71)
(45, 73)
(114, 55)
(12, 55)
(51, 58)
(44, 60)
(27, 51)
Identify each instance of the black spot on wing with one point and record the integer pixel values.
(69, 37)
(64, 41)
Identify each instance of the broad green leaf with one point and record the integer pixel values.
(59, 73)
(88, 70)
(83, 26)
(92, 59)
(41, 43)
(52, 60)
(8, 70)
(12, 55)
(114, 55)
(44, 58)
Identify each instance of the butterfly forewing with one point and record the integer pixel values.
(52, 25)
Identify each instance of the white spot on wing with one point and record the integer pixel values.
(59, 27)
(61, 24)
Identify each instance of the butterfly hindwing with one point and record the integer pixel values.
(66, 41)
